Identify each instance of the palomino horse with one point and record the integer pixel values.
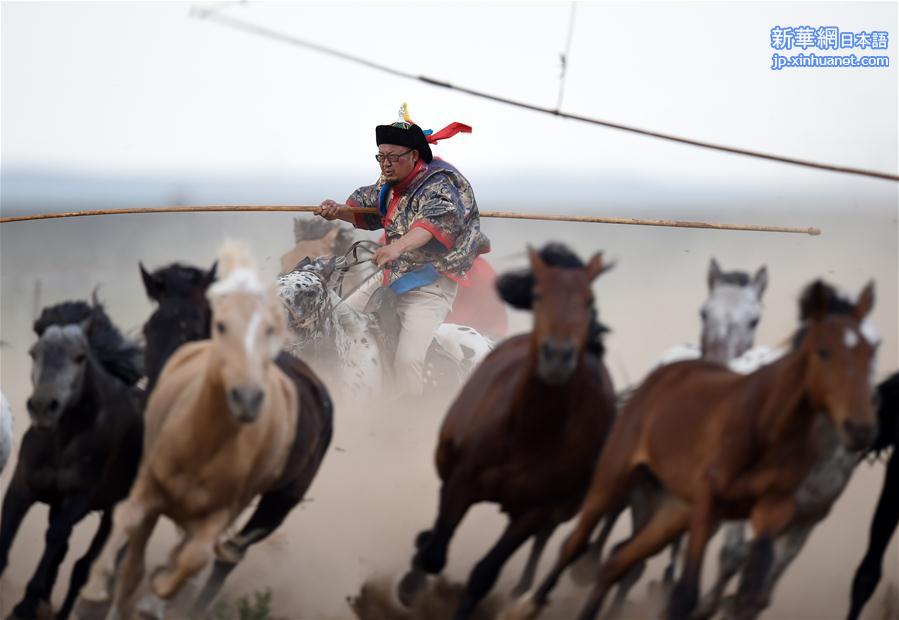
(222, 428)
(726, 446)
(730, 316)
(83, 447)
(183, 315)
(352, 347)
(525, 431)
(886, 517)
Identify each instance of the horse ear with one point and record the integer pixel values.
(865, 302)
(209, 276)
(760, 281)
(152, 284)
(595, 266)
(714, 273)
(537, 264)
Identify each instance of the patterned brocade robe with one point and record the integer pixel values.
(435, 196)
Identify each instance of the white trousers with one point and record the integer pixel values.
(421, 312)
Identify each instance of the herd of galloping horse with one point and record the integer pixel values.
(211, 412)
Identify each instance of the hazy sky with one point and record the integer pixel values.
(142, 87)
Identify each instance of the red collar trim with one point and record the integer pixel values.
(401, 186)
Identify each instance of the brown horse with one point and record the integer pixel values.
(726, 446)
(525, 431)
(220, 426)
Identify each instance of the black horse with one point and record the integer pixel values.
(183, 314)
(82, 450)
(886, 516)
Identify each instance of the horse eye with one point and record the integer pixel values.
(704, 315)
(79, 358)
(753, 323)
(220, 327)
(823, 354)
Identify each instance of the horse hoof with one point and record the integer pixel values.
(522, 609)
(163, 584)
(410, 585)
(422, 539)
(150, 608)
(86, 609)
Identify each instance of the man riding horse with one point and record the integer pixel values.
(433, 236)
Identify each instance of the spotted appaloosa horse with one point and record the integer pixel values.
(886, 516)
(525, 430)
(352, 348)
(476, 305)
(228, 417)
(743, 453)
(82, 450)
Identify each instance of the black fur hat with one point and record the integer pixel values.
(404, 134)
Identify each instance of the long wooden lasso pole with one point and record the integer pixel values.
(498, 214)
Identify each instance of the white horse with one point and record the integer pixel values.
(6, 431)
(349, 346)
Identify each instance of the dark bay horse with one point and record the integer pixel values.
(525, 430)
(726, 446)
(886, 516)
(84, 444)
(182, 313)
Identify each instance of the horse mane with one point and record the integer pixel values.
(887, 416)
(734, 278)
(116, 354)
(819, 299)
(239, 273)
(180, 280)
(516, 287)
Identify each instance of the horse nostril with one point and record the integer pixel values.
(235, 395)
(54, 405)
(254, 399)
(30, 404)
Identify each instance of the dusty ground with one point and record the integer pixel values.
(377, 487)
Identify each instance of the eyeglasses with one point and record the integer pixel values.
(391, 157)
